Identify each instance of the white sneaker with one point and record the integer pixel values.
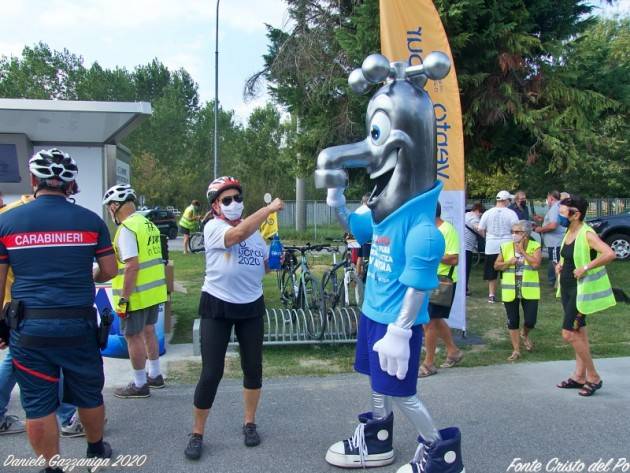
(12, 425)
(74, 428)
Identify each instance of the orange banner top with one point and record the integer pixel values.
(411, 29)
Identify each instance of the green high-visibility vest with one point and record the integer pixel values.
(150, 287)
(186, 221)
(530, 283)
(594, 292)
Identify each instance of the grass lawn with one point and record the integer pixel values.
(609, 331)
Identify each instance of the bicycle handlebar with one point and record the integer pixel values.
(309, 247)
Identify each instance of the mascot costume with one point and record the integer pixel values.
(399, 154)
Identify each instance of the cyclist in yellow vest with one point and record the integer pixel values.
(138, 289)
(584, 289)
(188, 222)
(519, 261)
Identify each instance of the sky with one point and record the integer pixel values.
(128, 33)
(180, 33)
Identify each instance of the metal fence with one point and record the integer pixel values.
(318, 213)
(596, 207)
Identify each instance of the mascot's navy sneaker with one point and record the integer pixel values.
(371, 444)
(441, 456)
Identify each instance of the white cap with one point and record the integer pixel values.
(504, 195)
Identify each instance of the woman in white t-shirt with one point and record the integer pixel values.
(232, 296)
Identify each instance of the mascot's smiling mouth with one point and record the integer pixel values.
(383, 175)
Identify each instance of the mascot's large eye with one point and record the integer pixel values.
(380, 126)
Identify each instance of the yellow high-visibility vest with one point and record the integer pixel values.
(594, 292)
(530, 283)
(150, 287)
(187, 220)
(25, 199)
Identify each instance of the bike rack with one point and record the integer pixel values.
(288, 327)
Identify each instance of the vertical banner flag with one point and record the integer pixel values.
(410, 30)
(270, 226)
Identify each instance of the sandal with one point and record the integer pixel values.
(570, 384)
(589, 388)
(529, 345)
(427, 370)
(452, 361)
(514, 356)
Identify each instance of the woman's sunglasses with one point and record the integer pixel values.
(228, 200)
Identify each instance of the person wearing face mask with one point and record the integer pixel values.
(552, 231)
(189, 220)
(584, 289)
(495, 226)
(231, 297)
(138, 289)
(520, 205)
(519, 261)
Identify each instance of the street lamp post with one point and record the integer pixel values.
(216, 93)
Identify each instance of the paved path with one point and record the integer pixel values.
(504, 412)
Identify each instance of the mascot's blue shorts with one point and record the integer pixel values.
(366, 359)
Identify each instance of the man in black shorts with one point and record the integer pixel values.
(496, 226)
(51, 244)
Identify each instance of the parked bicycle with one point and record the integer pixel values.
(300, 289)
(195, 241)
(342, 285)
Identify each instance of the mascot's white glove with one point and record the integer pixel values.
(393, 351)
(335, 197)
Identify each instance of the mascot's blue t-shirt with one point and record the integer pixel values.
(406, 250)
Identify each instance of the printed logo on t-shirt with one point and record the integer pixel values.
(248, 256)
(381, 257)
(27, 240)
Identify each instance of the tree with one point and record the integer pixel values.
(306, 70)
(531, 118)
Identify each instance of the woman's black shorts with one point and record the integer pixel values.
(573, 320)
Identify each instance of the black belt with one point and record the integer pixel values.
(87, 313)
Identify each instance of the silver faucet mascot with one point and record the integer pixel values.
(399, 154)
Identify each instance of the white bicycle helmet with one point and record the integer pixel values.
(119, 193)
(53, 164)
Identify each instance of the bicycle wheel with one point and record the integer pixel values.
(285, 287)
(476, 258)
(331, 288)
(311, 299)
(195, 243)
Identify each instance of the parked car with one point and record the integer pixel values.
(614, 230)
(165, 220)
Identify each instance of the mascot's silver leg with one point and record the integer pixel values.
(419, 416)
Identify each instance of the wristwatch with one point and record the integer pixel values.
(585, 268)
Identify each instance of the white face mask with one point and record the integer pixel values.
(232, 211)
(517, 237)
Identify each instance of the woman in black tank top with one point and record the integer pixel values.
(585, 377)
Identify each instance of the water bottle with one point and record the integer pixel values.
(275, 253)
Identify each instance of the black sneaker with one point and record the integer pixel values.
(107, 452)
(193, 449)
(132, 391)
(251, 436)
(157, 382)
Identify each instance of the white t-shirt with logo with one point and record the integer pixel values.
(233, 274)
(497, 222)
